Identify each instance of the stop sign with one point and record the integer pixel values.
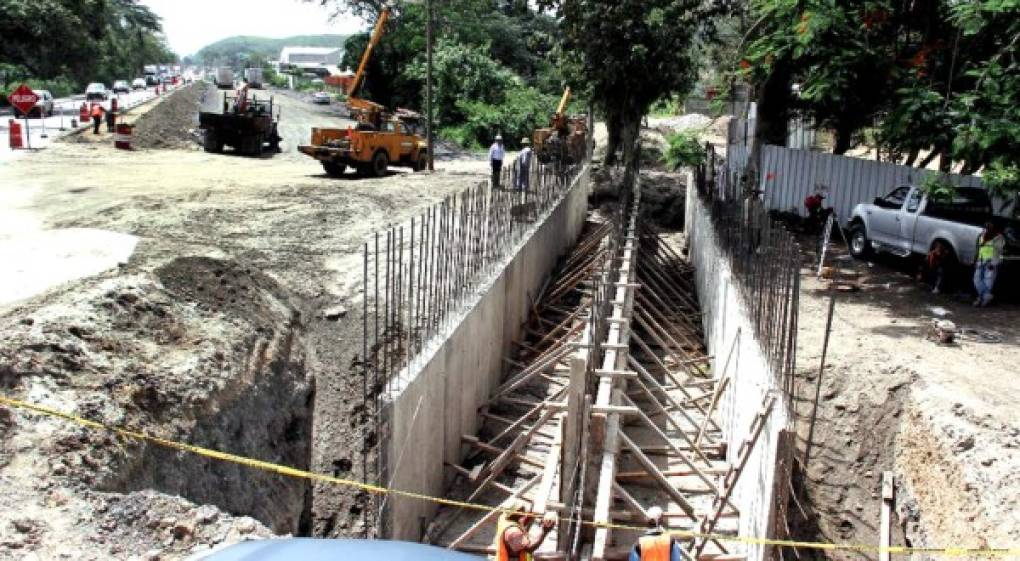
(23, 98)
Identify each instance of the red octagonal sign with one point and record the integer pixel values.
(23, 98)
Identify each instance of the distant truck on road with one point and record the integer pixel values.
(909, 221)
(224, 78)
(254, 77)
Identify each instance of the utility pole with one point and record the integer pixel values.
(428, 84)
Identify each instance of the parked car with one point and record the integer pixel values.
(322, 98)
(311, 549)
(121, 86)
(96, 92)
(138, 84)
(43, 107)
(909, 221)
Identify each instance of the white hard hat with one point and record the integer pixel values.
(655, 515)
(499, 137)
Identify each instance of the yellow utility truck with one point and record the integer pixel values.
(380, 138)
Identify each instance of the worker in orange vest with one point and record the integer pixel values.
(513, 541)
(656, 544)
(97, 117)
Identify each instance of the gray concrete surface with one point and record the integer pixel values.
(439, 400)
(729, 335)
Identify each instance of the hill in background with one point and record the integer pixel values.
(242, 50)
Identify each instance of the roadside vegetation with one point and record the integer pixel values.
(61, 45)
(932, 79)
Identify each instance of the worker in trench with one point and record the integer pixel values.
(514, 541)
(656, 544)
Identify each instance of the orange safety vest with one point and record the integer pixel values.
(97, 110)
(502, 551)
(656, 548)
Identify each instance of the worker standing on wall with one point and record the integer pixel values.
(496, 154)
(513, 541)
(656, 544)
(524, 166)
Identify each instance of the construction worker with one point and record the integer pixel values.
(241, 101)
(496, 154)
(986, 267)
(513, 542)
(523, 163)
(97, 117)
(656, 544)
(111, 120)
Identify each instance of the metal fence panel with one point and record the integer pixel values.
(788, 176)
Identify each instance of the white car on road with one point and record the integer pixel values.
(96, 91)
(321, 98)
(138, 84)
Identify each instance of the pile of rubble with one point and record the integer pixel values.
(172, 122)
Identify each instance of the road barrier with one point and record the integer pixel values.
(83, 113)
(122, 139)
(14, 134)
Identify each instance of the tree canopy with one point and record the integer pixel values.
(79, 41)
(936, 76)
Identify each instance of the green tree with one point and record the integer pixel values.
(629, 54)
(81, 40)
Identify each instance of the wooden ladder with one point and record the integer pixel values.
(706, 523)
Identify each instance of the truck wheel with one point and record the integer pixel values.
(380, 162)
(334, 169)
(860, 247)
(422, 162)
(211, 143)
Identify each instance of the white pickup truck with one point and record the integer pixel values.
(907, 221)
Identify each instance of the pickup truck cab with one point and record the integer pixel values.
(907, 221)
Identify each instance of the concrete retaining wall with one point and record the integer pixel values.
(730, 339)
(440, 399)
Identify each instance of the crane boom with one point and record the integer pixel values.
(372, 42)
(564, 101)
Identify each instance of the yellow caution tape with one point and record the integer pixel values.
(376, 489)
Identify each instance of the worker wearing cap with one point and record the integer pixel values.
(496, 154)
(655, 544)
(523, 162)
(513, 541)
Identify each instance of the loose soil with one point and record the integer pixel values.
(230, 322)
(941, 418)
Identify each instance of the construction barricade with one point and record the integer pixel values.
(122, 138)
(14, 135)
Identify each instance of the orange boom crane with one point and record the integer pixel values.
(565, 137)
(381, 138)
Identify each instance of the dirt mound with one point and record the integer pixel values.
(204, 351)
(170, 124)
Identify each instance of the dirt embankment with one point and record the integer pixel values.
(206, 351)
(172, 122)
(941, 418)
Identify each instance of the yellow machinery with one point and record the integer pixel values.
(380, 139)
(565, 140)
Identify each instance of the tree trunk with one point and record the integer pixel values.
(630, 133)
(614, 127)
(912, 157)
(773, 118)
(844, 139)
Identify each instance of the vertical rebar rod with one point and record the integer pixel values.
(410, 296)
(386, 311)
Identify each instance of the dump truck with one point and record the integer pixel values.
(224, 78)
(254, 77)
(565, 140)
(380, 139)
(249, 126)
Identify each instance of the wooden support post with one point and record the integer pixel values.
(887, 506)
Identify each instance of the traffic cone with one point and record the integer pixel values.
(83, 113)
(14, 136)
(113, 105)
